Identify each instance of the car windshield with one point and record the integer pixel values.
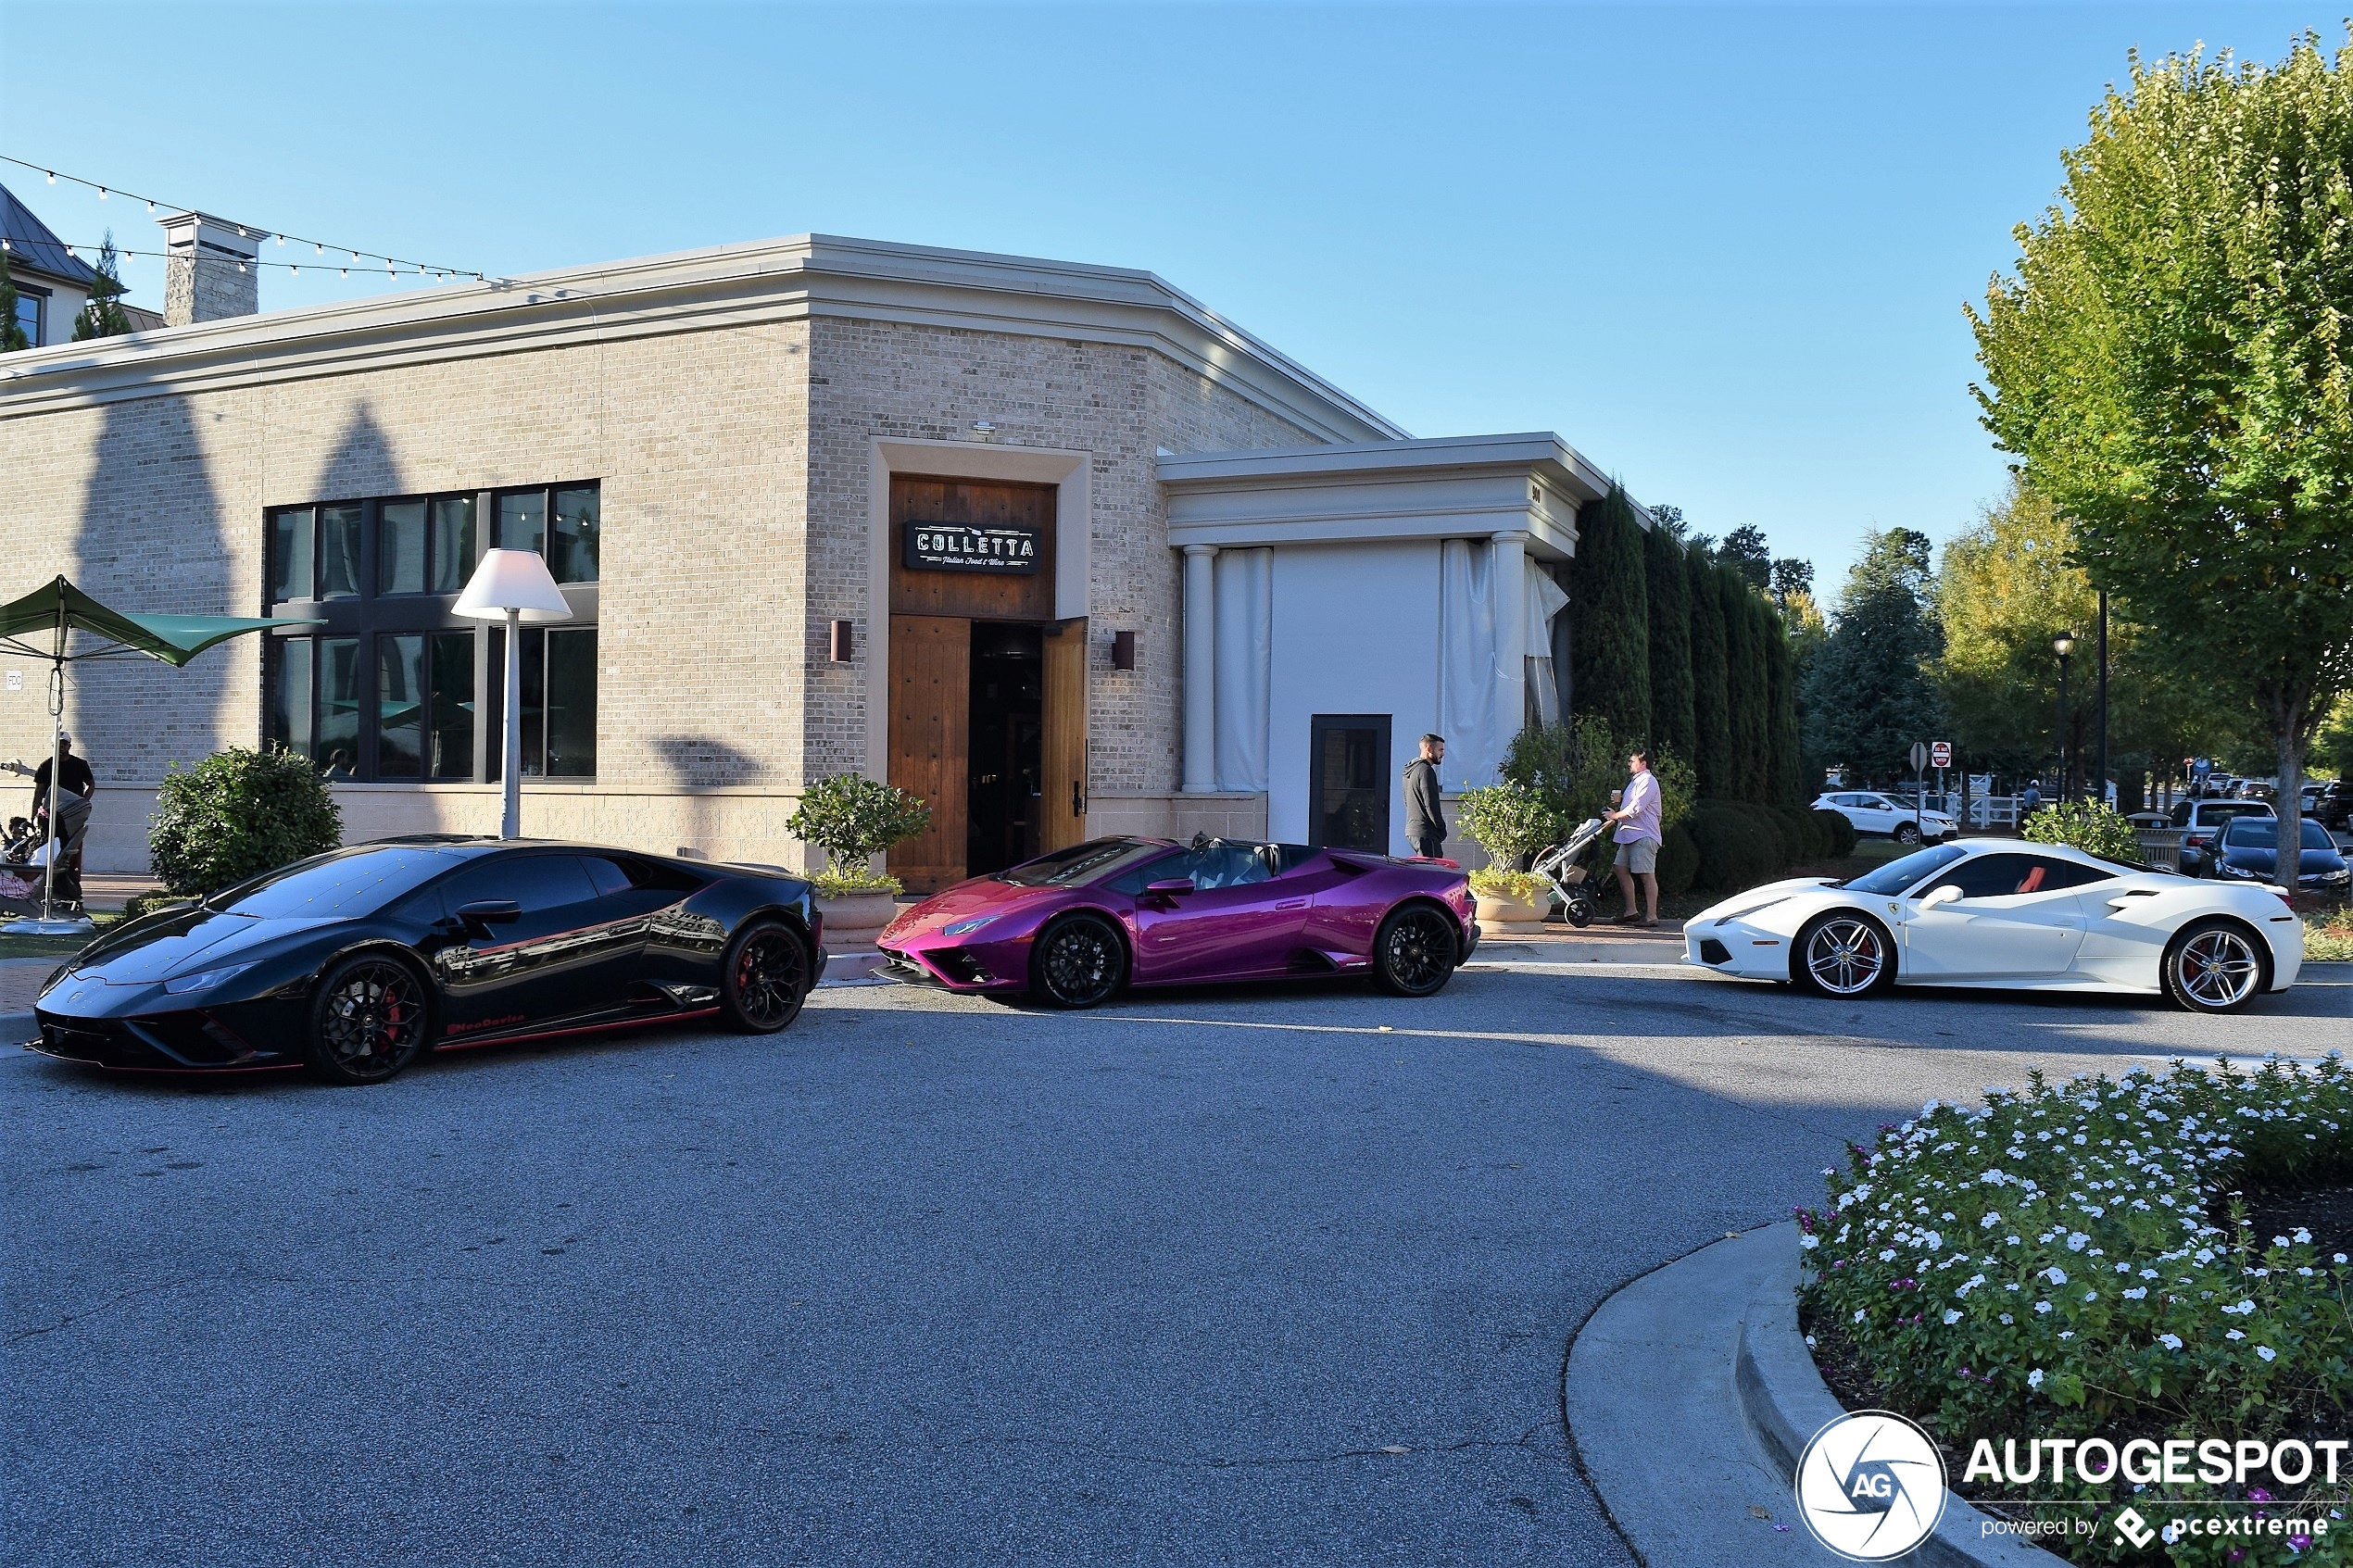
(331, 886)
(2262, 832)
(1897, 876)
(1082, 863)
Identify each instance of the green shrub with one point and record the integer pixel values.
(2053, 1263)
(1677, 861)
(1837, 831)
(854, 819)
(2328, 939)
(1769, 831)
(2092, 826)
(836, 883)
(1734, 849)
(1510, 821)
(236, 814)
(1498, 883)
(1799, 837)
(148, 903)
(1575, 767)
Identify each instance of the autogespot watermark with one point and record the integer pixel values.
(1871, 1486)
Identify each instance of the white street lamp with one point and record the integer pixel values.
(513, 586)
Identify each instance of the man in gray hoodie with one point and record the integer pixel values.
(1425, 823)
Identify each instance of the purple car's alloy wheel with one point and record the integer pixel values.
(1079, 964)
(1417, 950)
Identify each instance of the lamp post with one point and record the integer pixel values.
(2063, 644)
(2099, 747)
(513, 586)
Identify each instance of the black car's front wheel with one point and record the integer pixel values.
(1077, 964)
(1414, 951)
(369, 1019)
(764, 977)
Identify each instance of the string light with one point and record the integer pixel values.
(392, 266)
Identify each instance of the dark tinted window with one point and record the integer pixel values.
(534, 882)
(1897, 876)
(619, 874)
(2003, 876)
(335, 887)
(2262, 832)
(2217, 815)
(1081, 863)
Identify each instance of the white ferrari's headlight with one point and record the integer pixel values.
(1744, 912)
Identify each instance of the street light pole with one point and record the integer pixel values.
(2063, 644)
(512, 586)
(2099, 753)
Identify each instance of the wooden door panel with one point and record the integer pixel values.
(930, 741)
(1064, 742)
(980, 596)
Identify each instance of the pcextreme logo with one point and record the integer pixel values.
(1870, 1486)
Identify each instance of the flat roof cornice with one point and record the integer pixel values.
(803, 276)
(1540, 451)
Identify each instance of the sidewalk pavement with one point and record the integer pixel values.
(19, 982)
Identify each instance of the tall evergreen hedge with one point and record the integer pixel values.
(1787, 785)
(1673, 725)
(1609, 605)
(1743, 688)
(1711, 699)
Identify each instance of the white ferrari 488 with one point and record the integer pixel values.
(1996, 912)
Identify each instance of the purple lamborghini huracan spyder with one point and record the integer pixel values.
(1071, 927)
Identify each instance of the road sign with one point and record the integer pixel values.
(1920, 755)
(1939, 754)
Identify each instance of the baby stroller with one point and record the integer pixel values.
(24, 857)
(1571, 870)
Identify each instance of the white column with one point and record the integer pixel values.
(1200, 670)
(1511, 636)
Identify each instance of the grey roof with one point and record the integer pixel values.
(34, 247)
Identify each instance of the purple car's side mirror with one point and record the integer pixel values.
(1170, 888)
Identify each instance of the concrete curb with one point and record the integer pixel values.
(1689, 1394)
(1786, 1402)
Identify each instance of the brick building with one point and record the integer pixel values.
(1052, 544)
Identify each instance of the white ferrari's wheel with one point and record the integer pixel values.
(1843, 954)
(2214, 966)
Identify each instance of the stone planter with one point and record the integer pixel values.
(853, 922)
(1502, 915)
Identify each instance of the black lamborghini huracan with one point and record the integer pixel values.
(356, 961)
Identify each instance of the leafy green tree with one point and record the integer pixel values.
(236, 814)
(1711, 689)
(2170, 364)
(2092, 826)
(1672, 724)
(1868, 696)
(1574, 767)
(1609, 615)
(854, 819)
(102, 315)
(12, 336)
(1791, 576)
(1745, 551)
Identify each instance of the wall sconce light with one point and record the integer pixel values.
(1123, 650)
(841, 644)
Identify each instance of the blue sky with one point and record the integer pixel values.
(1723, 250)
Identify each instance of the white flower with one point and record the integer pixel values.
(2056, 1275)
(2136, 1293)
(2034, 1378)
(1888, 1256)
(1808, 1243)
(1952, 1316)
(2042, 1306)
(2170, 1341)
(2075, 1240)
(1989, 1221)
(2008, 1320)
(1859, 1314)
(2267, 1353)
(2244, 1309)
(2233, 1334)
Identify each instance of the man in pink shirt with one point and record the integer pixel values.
(1637, 839)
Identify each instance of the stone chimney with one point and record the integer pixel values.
(209, 269)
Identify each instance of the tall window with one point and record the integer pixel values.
(394, 687)
(31, 305)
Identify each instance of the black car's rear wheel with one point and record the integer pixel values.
(369, 1019)
(1414, 951)
(764, 977)
(1077, 964)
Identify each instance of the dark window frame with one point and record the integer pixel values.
(1321, 725)
(375, 613)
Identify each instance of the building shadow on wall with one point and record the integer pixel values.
(697, 762)
(149, 539)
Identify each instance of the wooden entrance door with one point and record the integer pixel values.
(1065, 738)
(930, 746)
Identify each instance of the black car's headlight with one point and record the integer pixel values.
(2229, 869)
(205, 979)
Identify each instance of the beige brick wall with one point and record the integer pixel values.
(735, 464)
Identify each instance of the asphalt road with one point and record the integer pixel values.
(1258, 1277)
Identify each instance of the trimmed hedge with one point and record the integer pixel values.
(1677, 861)
(1841, 832)
(1736, 850)
(236, 814)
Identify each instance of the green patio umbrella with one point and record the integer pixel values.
(36, 626)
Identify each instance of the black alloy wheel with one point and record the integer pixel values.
(763, 978)
(1577, 909)
(1907, 833)
(1414, 951)
(1843, 954)
(1078, 964)
(2215, 966)
(369, 1019)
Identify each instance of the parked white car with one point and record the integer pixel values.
(1993, 912)
(1887, 816)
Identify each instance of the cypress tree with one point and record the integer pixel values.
(1672, 724)
(1609, 605)
(1711, 700)
(1743, 688)
(12, 336)
(1787, 782)
(102, 315)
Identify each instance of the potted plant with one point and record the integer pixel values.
(1510, 821)
(852, 820)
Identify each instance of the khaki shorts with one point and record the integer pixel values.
(1639, 856)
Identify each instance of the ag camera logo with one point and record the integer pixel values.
(1870, 1486)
